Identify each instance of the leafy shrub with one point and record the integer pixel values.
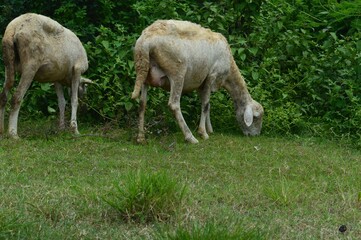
(305, 75)
(222, 112)
(301, 60)
(146, 197)
(112, 70)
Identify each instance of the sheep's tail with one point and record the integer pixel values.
(141, 57)
(8, 46)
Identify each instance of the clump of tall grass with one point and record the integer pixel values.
(211, 231)
(11, 227)
(146, 197)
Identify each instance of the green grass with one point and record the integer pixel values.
(146, 197)
(53, 186)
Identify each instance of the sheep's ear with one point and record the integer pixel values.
(248, 116)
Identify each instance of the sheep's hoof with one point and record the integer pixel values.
(74, 127)
(141, 139)
(203, 135)
(75, 131)
(192, 140)
(13, 134)
(15, 137)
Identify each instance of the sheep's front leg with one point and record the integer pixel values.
(74, 101)
(142, 106)
(27, 76)
(174, 104)
(208, 121)
(61, 104)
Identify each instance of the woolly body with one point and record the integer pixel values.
(40, 49)
(181, 56)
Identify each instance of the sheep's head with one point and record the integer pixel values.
(250, 118)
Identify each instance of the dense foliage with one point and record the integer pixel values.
(301, 59)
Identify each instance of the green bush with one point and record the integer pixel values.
(112, 70)
(301, 60)
(147, 197)
(305, 75)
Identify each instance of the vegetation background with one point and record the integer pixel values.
(301, 60)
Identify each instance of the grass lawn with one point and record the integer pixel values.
(52, 185)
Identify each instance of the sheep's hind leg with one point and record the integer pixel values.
(3, 100)
(24, 84)
(142, 106)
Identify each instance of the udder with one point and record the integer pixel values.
(157, 78)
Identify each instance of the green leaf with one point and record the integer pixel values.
(243, 57)
(45, 87)
(358, 45)
(255, 75)
(51, 110)
(253, 51)
(105, 44)
(290, 48)
(131, 64)
(128, 106)
(334, 36)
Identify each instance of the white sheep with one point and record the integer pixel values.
(181, 56)
(41, 49)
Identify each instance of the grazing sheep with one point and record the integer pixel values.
(181, 56)
(40, 49)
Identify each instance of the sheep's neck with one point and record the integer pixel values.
(236, 86)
